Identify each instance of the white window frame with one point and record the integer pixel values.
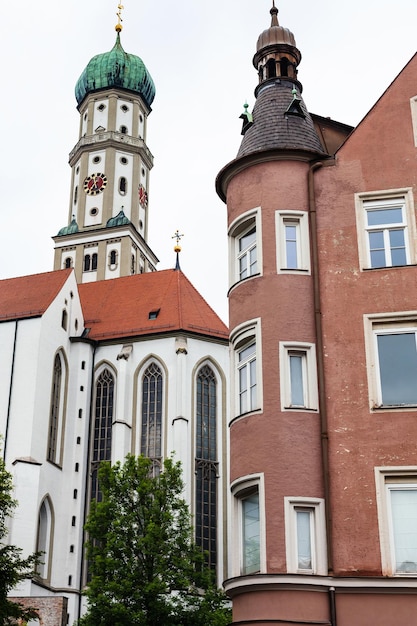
(242, 337)
(316, 508)
(299, 219)
(307, 352)
(379, 199)
(386, 480)
(391, 324)
(240, 489)
(238, 229)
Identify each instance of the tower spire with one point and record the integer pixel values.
(119, 26)
(274, 14)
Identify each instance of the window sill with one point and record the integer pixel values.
(394, 407)
(388, 267)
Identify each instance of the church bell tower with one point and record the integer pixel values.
(106, 233)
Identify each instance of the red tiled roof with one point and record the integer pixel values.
(121, 307)
(30, 296)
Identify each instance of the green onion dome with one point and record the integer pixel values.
(117, 69)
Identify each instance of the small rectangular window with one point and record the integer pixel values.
(293, 248)
(298, 376)
(305, 536)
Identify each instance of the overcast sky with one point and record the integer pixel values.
(200, 57)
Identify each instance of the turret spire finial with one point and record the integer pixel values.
(274, 14)
(177, 248)
(119, 26)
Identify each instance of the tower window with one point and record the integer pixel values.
(76, 195)
(94, 211)
(94, 261)
(64, 320)
(123, 160)
(101, 107)
(123, 130)
(87, 263)
(68, 262)
(284, 63)
(271, 68)
(124, 108)
(96, 159)
(122, 185)
(113, 257)
(133, 265)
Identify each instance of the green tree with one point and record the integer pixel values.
(145, 568)
(13, 569)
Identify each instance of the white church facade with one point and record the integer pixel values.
(106, 356)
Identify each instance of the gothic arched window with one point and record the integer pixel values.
(55, 412)
(44, 538)
(151, 439)
(102, 427)
(206, 464)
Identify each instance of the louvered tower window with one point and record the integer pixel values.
(206, 465)
(151, 440)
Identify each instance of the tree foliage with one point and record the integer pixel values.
(145, 568)
(13, 569)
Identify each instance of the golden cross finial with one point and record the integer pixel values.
(119, 26)
(178, 237)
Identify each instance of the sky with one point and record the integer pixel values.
(200, 57)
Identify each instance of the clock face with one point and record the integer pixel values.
(95, 184)
(143, 197)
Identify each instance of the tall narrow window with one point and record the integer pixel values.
(113, 257)
(87, 263)
(44, 538)
(206, 464)
(122, 186)
(94, 258)
(293, 248)
(102, 428)
(55, 411)
(68, 262)
(247, 255)
(271, 68)
(298, 374)
(250, 520)
(305, 536)
(247, 378)
(151, 440)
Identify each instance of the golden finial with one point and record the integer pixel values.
(178, 237)
(119, 26)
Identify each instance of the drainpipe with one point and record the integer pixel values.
(332, 602)
(87, 473)
(9, 403)
(320, 362)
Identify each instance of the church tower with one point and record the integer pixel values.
(106, 235)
